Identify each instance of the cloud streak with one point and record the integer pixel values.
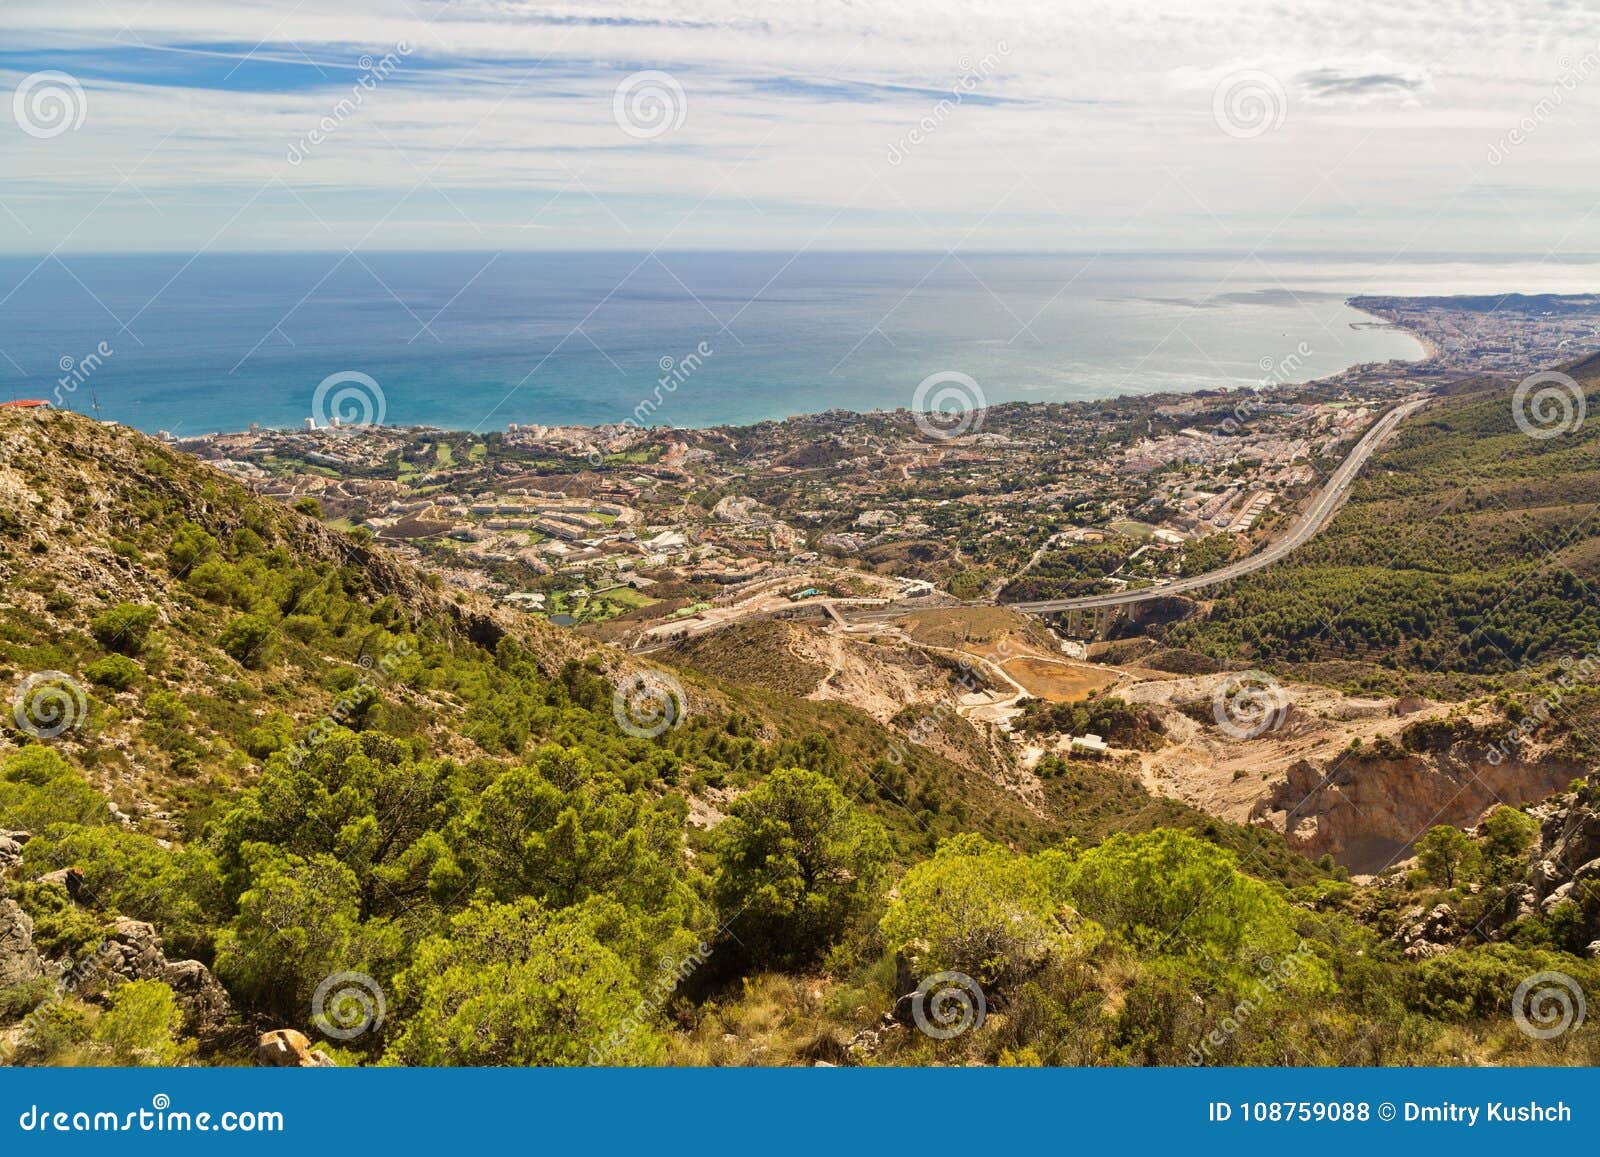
(1095, 128)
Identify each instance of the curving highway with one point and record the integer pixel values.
(1313, 519)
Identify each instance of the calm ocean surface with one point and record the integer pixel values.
(474, 340)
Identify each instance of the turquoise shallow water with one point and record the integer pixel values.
(477, 340)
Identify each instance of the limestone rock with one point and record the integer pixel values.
(205, 1002)
(11, 847)
(1555, 899)
(133, 951)
(1588, 871)
(1427, 934)
(19, 960)
(286, 1048)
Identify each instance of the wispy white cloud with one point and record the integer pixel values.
(834, 124)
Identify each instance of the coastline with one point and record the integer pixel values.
(1431, 353)
(1432, 350)
(840, 331)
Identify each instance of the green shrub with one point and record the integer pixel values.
(142, 1026)
(797, 863)
(117, 672)
(517, 985)
(18, 1000)
(246, 639)
(979, 909)
(124, 628)
(190, 545)
(38, 789)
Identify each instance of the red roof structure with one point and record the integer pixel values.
(24, 404)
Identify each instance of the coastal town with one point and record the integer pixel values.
(645, 535)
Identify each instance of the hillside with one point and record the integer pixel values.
(259, 776)
(1467, 549)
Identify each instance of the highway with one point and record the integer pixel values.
(1311, 521)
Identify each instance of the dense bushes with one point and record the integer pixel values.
(514, 984)
(1465, 548)
(116, 672)
(548, 912)
(522, 881)
(979, 909)
(1118, 722)
(124, 628)
(797, 862)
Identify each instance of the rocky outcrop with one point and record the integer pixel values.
(11, 847)
(19, 961)
(1428, 934)
(205, 1002)
(133, 952)
(286, 1048)
(1367, 810)
(1565, 862)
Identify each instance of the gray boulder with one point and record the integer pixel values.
(205, 1002)
(11, 848)
(19, 960)
(133, 952)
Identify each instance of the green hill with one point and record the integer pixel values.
(1467, 557)
(380, 813)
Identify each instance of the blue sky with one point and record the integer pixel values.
(488, 124)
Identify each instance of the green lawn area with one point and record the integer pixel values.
(1134, 529)
(597, 608)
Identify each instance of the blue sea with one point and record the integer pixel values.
(194, 344)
